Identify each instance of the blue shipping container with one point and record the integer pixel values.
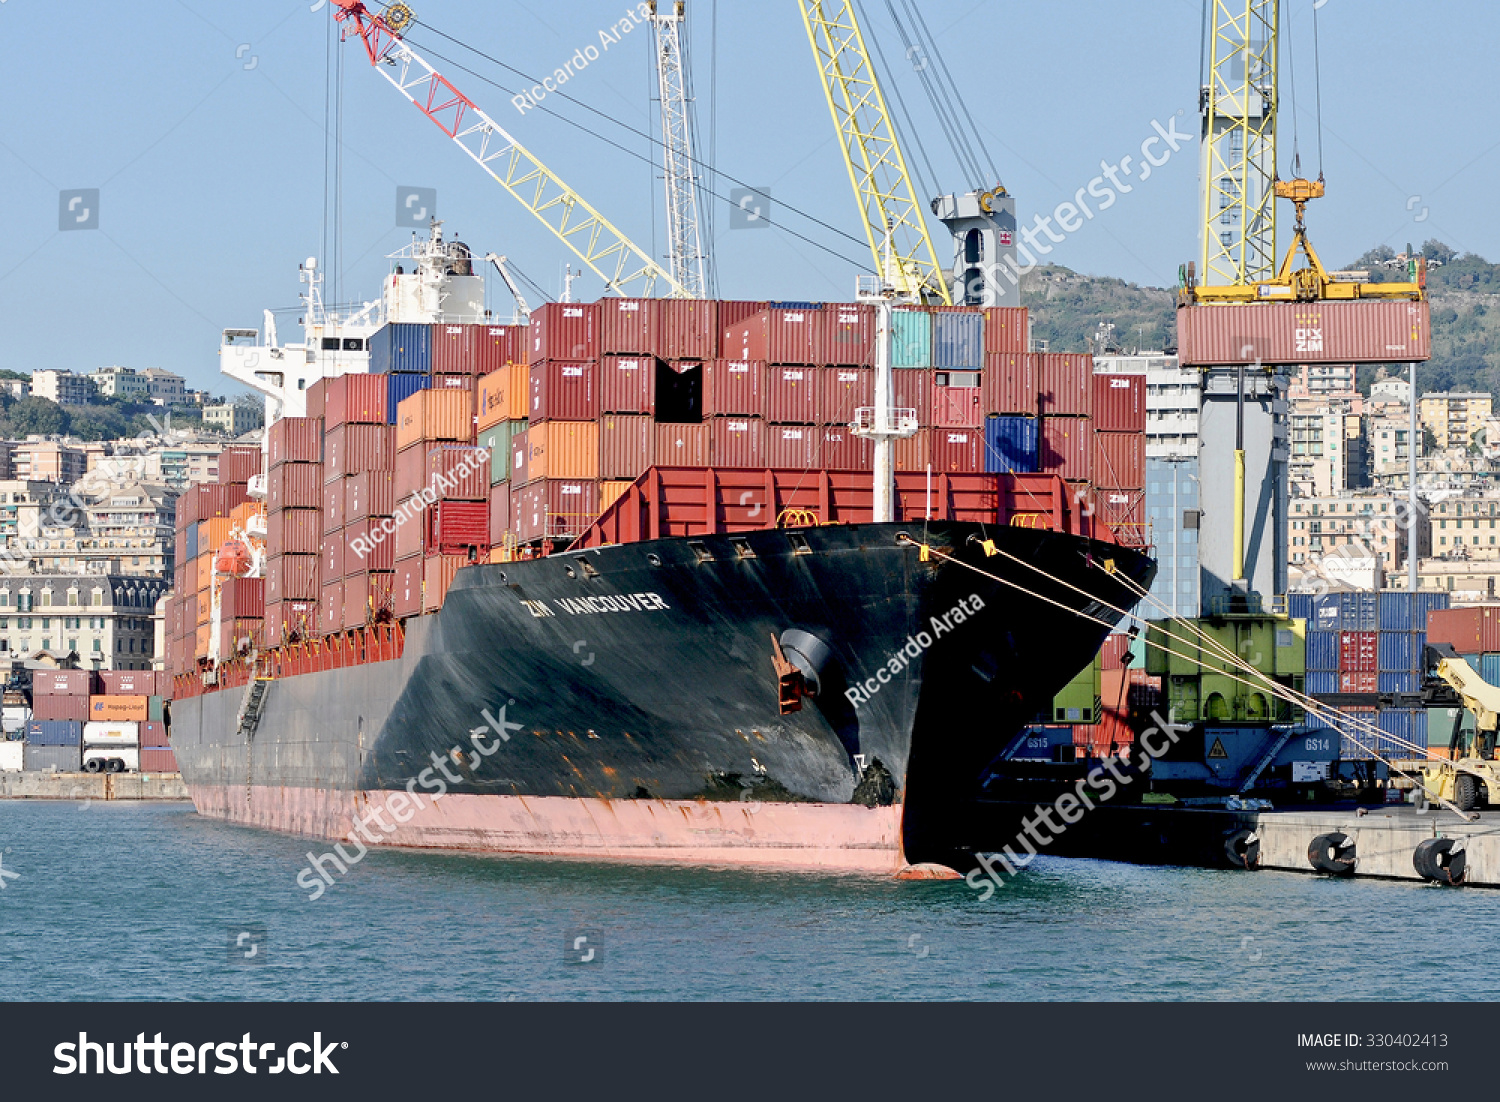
(1397, 612)
(1359, 611)
(1321, 681)
(1397, 682)
(1010, 445)
(1428, 602)
(1322, 650)
(1397, 652)
(958, 340)
(795, 305)
(192, 541)
(1489, 668)
(1327, 614)
(400, 387)
(1404, 725)
(401, 346)
(1299, 606)
(54, 732)
(911, 338)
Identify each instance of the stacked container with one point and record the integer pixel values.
(59, 709)
(357, 553)
(294, 526)
(205, 516)
(1119, 460)
(426, 422)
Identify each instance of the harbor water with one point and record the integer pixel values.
(149, 901)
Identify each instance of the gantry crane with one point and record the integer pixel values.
(624, 267)
(685, 250)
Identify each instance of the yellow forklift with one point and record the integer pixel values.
(1470, 777)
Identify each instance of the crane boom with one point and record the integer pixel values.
(888, 203)
(625, 269)
(515, 292)
(684, 236)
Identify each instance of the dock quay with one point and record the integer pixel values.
(92, 786)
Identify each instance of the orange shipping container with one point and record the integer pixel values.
(241, 514)
(213, 533)
(205, 607)
(203, 571)
(121, 709)
(201, 638)
(437, 575)
(503, 395)
(562, 449)
(611, 492)
(435, 415)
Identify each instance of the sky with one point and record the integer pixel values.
(204, 125)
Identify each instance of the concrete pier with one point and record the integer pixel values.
(92, 786)
(1385, 840)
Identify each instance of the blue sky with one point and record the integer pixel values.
(202, 124)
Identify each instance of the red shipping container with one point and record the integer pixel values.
(792, 447)
(792, 395)
(955, 407)
(239, 635)
(737, 442)
(332, 568)
(777, 337)
(498, 345)
(499, 513)
(357, 400)
(564, 331)
(624, 446)
(911, 389)
(455, 348)
(62, 683)
(437, 575)
(678, 446)
(1010, 384)
(206, 501)
(1124, 513)
(734, 388)
(458, 472)
(238, 464)
(371, 494)
(563, 391)
(60, 707)
(1472, 630)
(406, 588)
(845, 389)
(1005, 330)
(409, 532)
(687, 329)
(1065, 384)
(1359, 652)
(154, 732)
(294, 532)
(158, 759)
(957, 451)
(295, 440)
(317, 398)
(370, 546)
(1111, 655)
(1359, 682)
(1067, 447)
(295, 486)
(366, 596)
(627, 384)
(333, 505)
(350, 449)
(627, 325)
(453, 527)
(1120, 403)
(733, 313)
(914, 453)
(555, 507)
(331, 608)
(411, 470)
(849, 335)
(1304, 333)
(291, 578)
(240, 599)
(1120, 459)
(838, 449)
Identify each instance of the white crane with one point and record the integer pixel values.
(685, 252)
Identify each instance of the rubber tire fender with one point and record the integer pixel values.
(1332, 853)
(1242, 849)
(1434, 859)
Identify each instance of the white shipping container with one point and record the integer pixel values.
(12, 756)
(115, 733)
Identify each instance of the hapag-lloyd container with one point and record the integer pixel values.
(435, 415)
(737, 442)
(627, 384)
(911, 338)
(1066, 447)
(563, 391)
(562, 449)
(1120, 403)
(498, 345)
(294, 440)
(1368, 331)
(292, 578)
(838, 449)
(1065, 384)
(954, 404)
(371, 494)
(365, 597)
(351, 449)
(503, 395)
(1009, 384)
(777, 337)
(459, 472)
(792, 394)
(554, 507)
(356, 400)
(848, 335)
(294, 532)
(957, 451)
(564, 331)
(625, 441)
(687, 329)
(734, 388)
(792, 447)
(680, 446)
(1472, 630)
(628, 325)
(368, 546)
(1010, 445)
(1005, 330)
(333, 505)
(1120, 459)
(957, 338)
(845, 389)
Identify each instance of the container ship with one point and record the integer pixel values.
(610, 583)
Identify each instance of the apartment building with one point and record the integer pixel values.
(107, 622)
(1455, 418)
(62, 387)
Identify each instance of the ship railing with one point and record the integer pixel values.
(899, 422)
(568, 525)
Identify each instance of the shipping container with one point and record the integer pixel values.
(411, 529)
(500, 345)
(369, 545)
(331, 608)
(371, 494)
(118, 708)
(687, 329)
(848, 335)
(410, 474)
(1471, 630)
(625, 442)
(333, 506)
(1323, 651)
(294, 486)
(459, 472)
(205, 500)
(1407, 728)
(455, 349)
(62, 683)
(1359, 652)
(51, 759)
(317, 398)
(332, 568)
(437, 576)
(353, 449)
(291, 577)
(404, 347)
(406, 588)
(504, 395)
(1402, 611)
(1489, 667)
(628, 325)
(1011, 444)
(1066, 447)
(235, 636)
(202, 638)
(913, 390)
(154, 733)
(562, 449)
(792, 394)
(956, 402)
(1368, 331)
(1123, 511)
(430, 416)
(290, 619)
(54, 732)
(290, 440)
(957, 338)
(680, 446)
(205, 611)
(957, 451)
(911, 338)
(627, 384)
(1357, 611)
(1006, 330)
(60, 707)
(1299, 606)
(356, 400)
(203, 571)
(1359, 682)
(838, 449)
(1120, 459)
(455, 527)
(733, 442)
(1398, 652)
(732, 313)
(734, 388)
(1065, 384)
(500, 512)
(294, 532)
(519, 453)
(238, 464)
(1321, 682)
(777, 336)
(563, 390)
(844, 390)
(1408, 681)
(240, 599)
(1120, 403)
(554, 508)
(112, 733)
(158, 759)
(564, 331)
(792, 447)
(367, 599)
(398, 388)
(498, 439)
(914, 453)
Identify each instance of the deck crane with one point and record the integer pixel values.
(522, 309)
(685, 237)
(624, 267)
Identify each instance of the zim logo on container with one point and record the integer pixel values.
(1308, 340)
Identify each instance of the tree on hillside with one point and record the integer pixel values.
(36, 416)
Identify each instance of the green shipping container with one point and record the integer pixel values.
(153, 708)
(911, 338)
(498, 440)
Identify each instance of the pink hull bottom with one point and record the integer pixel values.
(843, 837)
